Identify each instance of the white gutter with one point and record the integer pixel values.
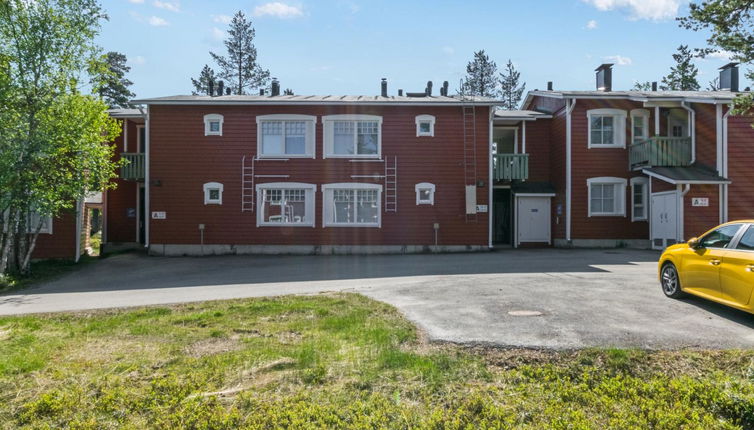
(692, 129)
(490, 181)
(570, 104)
(147, 206)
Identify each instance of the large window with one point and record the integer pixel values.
(285, 204)
(607, 196)
(353, 136)
(352, 205)
(286, 136)
(639, 198)
(607, 128)
(639, 125)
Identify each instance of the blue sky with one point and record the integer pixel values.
(346, 46)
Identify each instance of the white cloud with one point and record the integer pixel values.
(654, 10)
(619, 60)
(279, 10)
(448, 50)
(721, 55)
(136, 1)
(217, 34)
(172, 6)
(156, 21)
(591, 25)
(222, 19)
(138, 60)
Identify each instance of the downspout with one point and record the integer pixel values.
(570, 104)
(657, 120)
(719, 157)
(725, 163)
(79, 215)
(490, 181)
(692, 129)
(147, 147)
(523, 137)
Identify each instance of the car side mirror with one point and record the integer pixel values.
(694, 242)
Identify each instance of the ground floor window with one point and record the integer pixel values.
(607, 196)
(639, 197)
(286, 204)
(44, 223)
(352, 205)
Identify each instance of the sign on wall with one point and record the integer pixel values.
(131, 213)
(159, 215)
(700, 202)
(481, 208)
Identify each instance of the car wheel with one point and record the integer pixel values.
(671, 283)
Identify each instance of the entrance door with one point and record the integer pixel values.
(533, 219)
(678, 123)
(664, 223)
(501, 210)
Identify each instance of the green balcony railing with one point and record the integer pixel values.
(134, 168)
(660, 152)
(510, 167)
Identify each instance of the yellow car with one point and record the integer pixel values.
(718, 266)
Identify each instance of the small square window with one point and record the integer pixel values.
(425, 194)
(425, 127)
(214, 126)
(214, 194)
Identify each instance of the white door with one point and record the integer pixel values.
(533, 219)
(664, 220)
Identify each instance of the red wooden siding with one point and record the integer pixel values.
(740, 168)
(120, 227)
(538, 146)
(697, 220)
(62, 242)
(706, 135)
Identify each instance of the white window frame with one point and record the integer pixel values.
(619, 127)
(428, 187)
(212, 186)
(213, 117)
(327, 203)
(424, 119)
(619, 195)
(329, 135)
(644, 183)
(643, 113)
(31, 224)
(310, 139)
(311, 195)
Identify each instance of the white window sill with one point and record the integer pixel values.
(284, 156)
(593, 146)
(213, 203)
(354, 156)
(371, 225)
(285, 224)
(606, 215)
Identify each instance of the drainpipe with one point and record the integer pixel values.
(79, 216)
(692, 129)
(490, 181)
(570, 104)
(657, 120)
(523, 137)
(725, 164)
(681, 194)
(719, 157)
(147, 206)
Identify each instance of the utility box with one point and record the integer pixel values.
(470, 199)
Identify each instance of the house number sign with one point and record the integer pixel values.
(700, 202)
(159, 215)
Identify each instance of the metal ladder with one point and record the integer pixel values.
(247, 185)
(469, 150)
(391, 184)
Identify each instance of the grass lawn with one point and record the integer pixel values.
(340, 361)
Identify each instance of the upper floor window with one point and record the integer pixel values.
(213, 124)
(607, 128)
(285, 204)
(425, 193)
(213, 193)
(353, 136)
(607, 196)
(352, 205)
(286, 136)
(639, 198)
(639, 125)
(425, 125)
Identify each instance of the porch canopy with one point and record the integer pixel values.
(685, 175)
(530, 188)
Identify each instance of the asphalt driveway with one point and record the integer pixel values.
(544, 298)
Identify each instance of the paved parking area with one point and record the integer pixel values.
(544, 298)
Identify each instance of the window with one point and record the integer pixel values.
(351, 205)
(425, 193)
(639, 197)
(213, 124)
(747, 240)
(34, 223)
(607, 128)
(353, 136)
(285, 204)
(213, 193)
(425, 125)
(290, 136)
(639, 125)
(721, 237)
(607, 196)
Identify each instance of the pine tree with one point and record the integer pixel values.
(714, 85)
(112, 84)
(201, 85)
(642, 86)
(511, 92)
(239, 68)
(481, 77)
(682, 77)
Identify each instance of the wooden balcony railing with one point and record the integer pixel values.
(134, 169)
(660, 152)
(510, 167)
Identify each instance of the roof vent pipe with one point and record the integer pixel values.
(445, 88)
(429, 89)
(275, 87)
(261, 91)
(400, 93)
(220, 88)
(729, 77)
(383, 87)
(654, 86)
(549, 85)
(211, 88)
(604, 77)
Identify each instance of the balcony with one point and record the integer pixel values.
(510, 167)
(133, 170)
(660, 152)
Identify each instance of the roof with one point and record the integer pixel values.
(319, 100)
(533, 188)
(125, 113)
(685, 175)
(523, 115)
(714, 97)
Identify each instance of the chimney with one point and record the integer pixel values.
(729, 77)
(220, 88)
(211, 88)
(549, 85)
(654, 86)
(227, 91)
(445, 88)
(383, 87)
(261, 91)
(429, 89)
(604, 77)
(275, 87)
(400, 93)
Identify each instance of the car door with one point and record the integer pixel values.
(737, 270)
(700, 267)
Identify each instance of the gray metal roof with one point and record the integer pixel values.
(685, 175)
(533, 188)
(125, 113)
(643, 96)
(317, 100)
(519, 114)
